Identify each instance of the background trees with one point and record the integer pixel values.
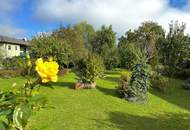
(104, 44)
(72, 43)
(46, 46)
(87, 32)
(175, 48)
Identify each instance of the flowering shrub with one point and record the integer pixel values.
(17, 105)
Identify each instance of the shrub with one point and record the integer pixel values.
(9, 73)
(187, 84)
(46, 46)
(90, 68)
(13, 63)
(123, 83)
(161, 83)
(139, 83)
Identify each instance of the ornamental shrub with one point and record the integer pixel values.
(123, 83)
(139, 83)
(90, 68)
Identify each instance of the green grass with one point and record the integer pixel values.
(101, 109)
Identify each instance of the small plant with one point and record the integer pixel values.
(187, 84)
(88, 70)
(124, 83)
(16, 105)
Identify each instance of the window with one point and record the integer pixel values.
(16, 48)
(9, 47)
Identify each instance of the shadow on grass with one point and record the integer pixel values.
(123, 121)
(107, 91)
(178, 97)
(112, 72)
(64, 84)
(111, 79)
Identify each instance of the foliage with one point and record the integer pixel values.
(16, 105)
(104, 44)
(187, 84)
(161, 83)
(47, 46)
(87, 32)
(105, 38)
(139, 82)
(175, 48)
(13, 63)
(9, 73)
(124, 81)
(146, 36)
(111, 58)
(73, 39)
(130, 54)
(183, 74)
(90, 68)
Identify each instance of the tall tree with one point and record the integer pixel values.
(87, 32)
(49, 46)
(72, 38)
(175, 48)
(105, 38)
(105, 44)
(146, 36)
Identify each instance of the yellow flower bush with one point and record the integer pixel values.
(47, 70)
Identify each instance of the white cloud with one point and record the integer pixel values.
(122, 14)
(7, 27)
(9, 5)
(8, 30)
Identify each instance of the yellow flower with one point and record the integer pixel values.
(47, 70)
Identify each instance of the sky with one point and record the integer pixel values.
(27, 18)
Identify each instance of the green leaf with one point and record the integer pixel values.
(21, 115)
(5, 112)
(3, 125)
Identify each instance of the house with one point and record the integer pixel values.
(10, 47)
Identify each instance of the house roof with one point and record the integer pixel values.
(13, 40)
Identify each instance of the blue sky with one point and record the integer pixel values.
(26, 18)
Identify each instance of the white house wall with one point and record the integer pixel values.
(10, 50)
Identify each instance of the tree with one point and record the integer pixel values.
(105, 38)
(73, 39)
(49, 46)
(175, 48)
(129, 55)
(146, 36)
(87, 32)
(105, 45)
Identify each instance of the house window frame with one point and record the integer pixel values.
(16, 47)
(9, 47)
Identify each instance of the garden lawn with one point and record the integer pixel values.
(102, 109)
